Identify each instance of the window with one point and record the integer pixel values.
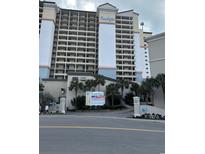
(146, 56)
(146, 64)
(74, 78)
(83, 78)
(145, 52)
(147, 72)
(146, 68)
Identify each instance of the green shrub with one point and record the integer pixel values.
(79, 102)
(117, 99)
(116, 107)
(129, 98)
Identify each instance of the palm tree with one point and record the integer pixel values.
(41, 87)
(112, 90)
(89, 85)
(135, 88)
(76, 85)
(99, 81)
(161, 79)
(123, 84)
(149, 86)
(142, 93)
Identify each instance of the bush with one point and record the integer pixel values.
(117, 107)
(79, 102)
(117, 99)
(129, 99)
(45, 98)
(152, 116)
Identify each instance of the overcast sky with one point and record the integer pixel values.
(151, 12)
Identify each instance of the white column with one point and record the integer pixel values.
(106, 43)
(45, 47)
(46, 38)
(136, 106)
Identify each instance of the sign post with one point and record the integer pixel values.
(136, 106)
(62, 105)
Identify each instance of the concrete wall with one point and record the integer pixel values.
(54, 88)
(159, 98)
(157, 67)
(156, 45)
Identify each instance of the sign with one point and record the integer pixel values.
(107, 17)
(96, 98)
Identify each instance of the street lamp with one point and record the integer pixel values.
(62, 100)
(62, 91)
(142, 24)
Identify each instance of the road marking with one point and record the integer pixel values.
(105, 117)
(105, 128)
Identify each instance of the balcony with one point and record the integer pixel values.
(81, 56)
(61, 48)
(62, 37)
(62, 54)
(82, 28)
(64, 27)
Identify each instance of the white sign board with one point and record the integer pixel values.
(96, 98)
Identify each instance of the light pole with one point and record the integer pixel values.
(62, 101)
(142, 24)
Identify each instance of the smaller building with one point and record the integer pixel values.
(156, 46)
(54, 86)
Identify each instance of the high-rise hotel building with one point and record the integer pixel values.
(105, 42)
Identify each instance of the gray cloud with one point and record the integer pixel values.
(152, 12)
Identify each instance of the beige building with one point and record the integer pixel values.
(104, 42)
(156, 46)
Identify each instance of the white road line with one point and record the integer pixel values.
(105, 117)
(104, 128)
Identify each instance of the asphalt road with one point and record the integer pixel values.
(74, 134)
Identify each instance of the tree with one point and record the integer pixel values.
(99, 81)
(79, 102)
(148, 88)
(76, 85)
(41, 87)
(47, 98)
(89, 85)
(123, 84)
(129, 98)
(161, 79)
(112, 90)
(135, 88)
